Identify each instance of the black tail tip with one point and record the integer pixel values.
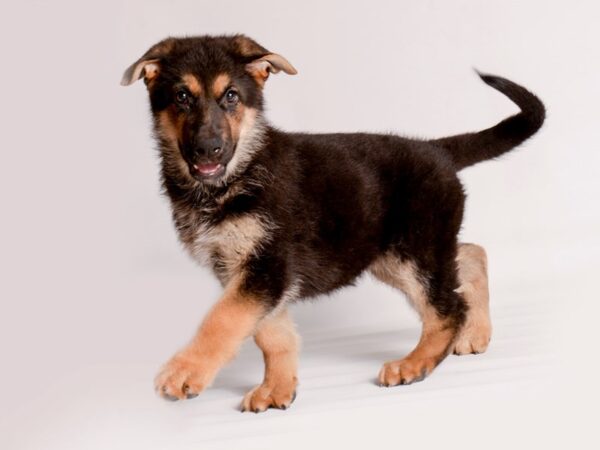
(531, 106)
(492, 80)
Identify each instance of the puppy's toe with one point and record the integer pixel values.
(405, 371)
(263, 397)
(181, 378)
(473, 339)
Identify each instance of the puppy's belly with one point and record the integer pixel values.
(324, 275)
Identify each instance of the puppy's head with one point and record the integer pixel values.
(206, 99)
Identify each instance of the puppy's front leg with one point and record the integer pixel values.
(277, 338)
(230, 321)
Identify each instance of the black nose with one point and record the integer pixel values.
(211, 147)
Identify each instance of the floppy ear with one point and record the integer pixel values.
(271, 63)
(261, 62)
(148, 65)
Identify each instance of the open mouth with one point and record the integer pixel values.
(209, 170)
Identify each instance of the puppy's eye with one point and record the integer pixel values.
(232, 97)
(182, 97)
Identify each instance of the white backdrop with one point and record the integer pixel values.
(96, 292)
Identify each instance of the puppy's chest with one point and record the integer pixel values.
(227, 245)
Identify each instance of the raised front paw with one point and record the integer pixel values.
(180, 378)
(263, 397)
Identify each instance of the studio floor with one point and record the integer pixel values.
(494, 399)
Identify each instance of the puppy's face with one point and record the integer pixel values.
(206, 99)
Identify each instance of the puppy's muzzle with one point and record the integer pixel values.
(208, 156)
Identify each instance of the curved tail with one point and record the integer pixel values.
(470, 148)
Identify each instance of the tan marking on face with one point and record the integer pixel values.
(437, 334)
(248, 130)
(235, 120)
(233, 318)
(472, 274)
(277, 338)
(193, 84)
(231, 242)
(169, 126)
(219, 84)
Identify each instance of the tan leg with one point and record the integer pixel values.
(472, 274)
(277, 338)
(230, 321)
(429, 352)
(437, 334)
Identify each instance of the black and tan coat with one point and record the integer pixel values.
(280, 217)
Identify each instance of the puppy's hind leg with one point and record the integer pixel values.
(472, 275)
(277, 338)
(441, 311)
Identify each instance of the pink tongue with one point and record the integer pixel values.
(208, 168)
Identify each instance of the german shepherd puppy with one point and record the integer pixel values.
(281, 217)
